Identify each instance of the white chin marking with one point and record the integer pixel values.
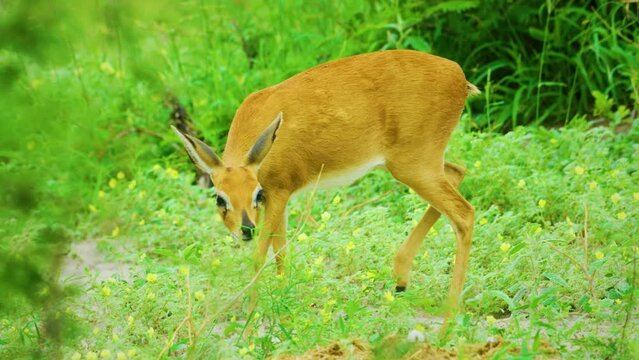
(329, 180)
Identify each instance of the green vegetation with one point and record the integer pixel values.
(87, 159)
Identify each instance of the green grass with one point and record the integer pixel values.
(83, 91)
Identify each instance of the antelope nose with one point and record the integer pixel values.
(248, 228)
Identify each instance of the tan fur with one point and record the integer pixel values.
(399, 106)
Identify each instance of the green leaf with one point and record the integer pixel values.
(502, 295)
(556, 279)
(417, 43)
(452, 6)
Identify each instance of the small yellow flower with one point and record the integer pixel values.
(105, 354)
(251, 347)
(184, 270)
(131, 353)
(91, 356)
(216, 262)
(389, 296)
(319, 260)
(579, 170)
(243, 351)
(141, 194)
(151, 277)
(617, 301)
(321, 227)
(101, 194)
(132, 184)
(173, 174)
(257, 315)
(120, 175)
(500, 237)
(419, 327)
(113, 183)
(490, 319)
(483, 221)
(553, 141)
(592, 185)
(599, 255)
(326, 216)
(477, 164)
(621, 216)
(76, 356)
(336, 200)
(635, 196)
(504, 247)
(107, 68)
(614, 173)
(116, 231)
(120, 356)
(541, 203)
(350, 246)
(521, 183)
(141, 222)
(302, 237)
(92, 208)
(199, 295)
(106, 291)
(150, 332)
(356, 231)
(157, 168)
(615, 198)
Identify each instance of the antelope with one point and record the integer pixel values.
(333, 123)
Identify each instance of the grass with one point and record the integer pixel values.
(86, 157)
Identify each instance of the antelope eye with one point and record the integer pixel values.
(221, 202)
(259, 197)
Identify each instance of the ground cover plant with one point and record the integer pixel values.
(92, 177)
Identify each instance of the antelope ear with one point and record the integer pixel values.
(264, 142)
(201, 154)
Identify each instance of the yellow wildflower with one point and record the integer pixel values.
(216, 262)
(326, 216)
(150, 332)
(120, 175)
(617, 301)
(504, 247)
(483, 221)
(541, 203)
(243, 351)
(350, 246)
(356, 231)
(157, 168)
(141, 222)
(389, 296)
(614, 173)
(302, 237)
(92, 208)
(319, 260)
(521, 183)
(184, 270)
(336, 200)
(120, 356)
(106, 291)
(592, 185)
(141, 194)
(151, 277)
(419, 327)
(107, 68)
(173, 174)
(91, 356)
(579, 170)
(321, 227)
(621, 216)
(76, 356)
(105, 354)
(615, 198)
(553, 141)
(131, 353)
(477, 164)
(635, 196)
(599, 255)
(113, 183)
(101, 194)
(132, 184)
(116, 231)
(490, 319)
(199, 295)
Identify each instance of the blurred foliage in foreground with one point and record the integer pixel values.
(83, 86)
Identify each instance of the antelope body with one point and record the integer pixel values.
(336, 121)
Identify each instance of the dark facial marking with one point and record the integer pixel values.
(248, 228)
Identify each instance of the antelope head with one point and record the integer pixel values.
(239, 193)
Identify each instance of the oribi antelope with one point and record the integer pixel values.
(333, 123)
